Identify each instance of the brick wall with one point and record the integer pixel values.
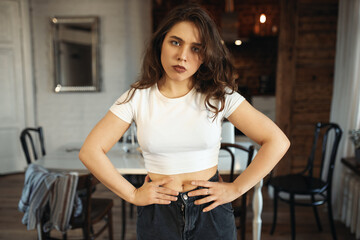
(307, 54)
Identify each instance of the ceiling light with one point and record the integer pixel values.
(238, 42)
(262, 18)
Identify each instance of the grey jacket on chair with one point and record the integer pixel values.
(42, 187)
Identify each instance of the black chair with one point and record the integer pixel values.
(306, 183)
(95, 210)
(239, 211)
(35, 138)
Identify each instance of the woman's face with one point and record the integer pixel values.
(180, 52)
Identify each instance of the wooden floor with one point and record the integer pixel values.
(11, 227)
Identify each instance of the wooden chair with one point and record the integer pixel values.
(34, 137)
(94, 211)
(306, 183)
(239, 211)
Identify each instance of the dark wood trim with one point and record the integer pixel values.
(285, 74)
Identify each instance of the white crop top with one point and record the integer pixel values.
(176, 135)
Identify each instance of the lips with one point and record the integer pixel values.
(179, 69)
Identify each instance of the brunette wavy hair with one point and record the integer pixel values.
(214, 77)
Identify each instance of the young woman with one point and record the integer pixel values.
(185, 91)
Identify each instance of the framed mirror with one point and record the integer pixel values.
(75, 48)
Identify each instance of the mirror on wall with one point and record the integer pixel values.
(75, 48)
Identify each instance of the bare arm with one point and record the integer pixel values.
(93, 155)
(274, 145)
(266, 133)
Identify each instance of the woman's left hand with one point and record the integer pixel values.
(216, 192)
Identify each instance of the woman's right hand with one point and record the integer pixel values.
(153, 192)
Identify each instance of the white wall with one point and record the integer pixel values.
(345, 106)
(125, 26)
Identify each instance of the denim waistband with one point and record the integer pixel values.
(183, 219)
(184, 198)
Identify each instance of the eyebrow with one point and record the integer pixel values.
(181, 40)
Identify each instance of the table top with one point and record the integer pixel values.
(66, 158)
(128, 162)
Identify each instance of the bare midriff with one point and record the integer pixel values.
(182, 182)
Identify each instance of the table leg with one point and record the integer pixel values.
(257, 209)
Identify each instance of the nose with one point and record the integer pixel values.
(182, 55)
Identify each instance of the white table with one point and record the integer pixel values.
(66, 158)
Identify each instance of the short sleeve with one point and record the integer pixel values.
(232, 101)
(122, 110)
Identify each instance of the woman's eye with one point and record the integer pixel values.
(175, 43)
(196, 49)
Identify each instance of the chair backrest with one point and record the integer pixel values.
(85, 185)
(327, 156)
(33, 145)
(229, 148)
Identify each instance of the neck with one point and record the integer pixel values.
(174, 89)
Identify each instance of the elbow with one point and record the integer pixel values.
(281, 142)
(82, 154)
(88, 152)
(285, 142)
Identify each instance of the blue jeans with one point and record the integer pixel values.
(183, 220)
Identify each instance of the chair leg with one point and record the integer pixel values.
(123, 219)
(292, 216)
(86, 232)
(331, 219)
(316, 215)
(131, 211)
(64, 236)
(275, 212)
(41, 234)
(243, 217)
(110, 225)
(243, 225)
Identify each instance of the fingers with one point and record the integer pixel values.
(147, 178)
(220, 178)
(210, 207)
(205, 200)
(166, 191)
(157, 196)
(163, 181)
(153, 192)
(215, 194)
(199, 192)
(202, 183)
(161, 202)
(209, 199)
(160, 198)
(166, 197)
(157, 185)
(208, 188)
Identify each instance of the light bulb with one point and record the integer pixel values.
(262, 18)
(238, 42)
